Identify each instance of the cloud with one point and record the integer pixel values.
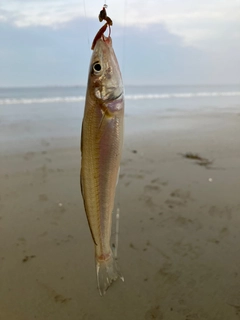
(42, 55)
(161, 58)
(40, 13)
(210, 26)
(47, 42)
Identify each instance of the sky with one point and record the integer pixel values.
(47, 42)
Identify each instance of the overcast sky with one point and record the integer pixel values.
(47, 42)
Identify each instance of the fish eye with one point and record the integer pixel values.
(97, 67)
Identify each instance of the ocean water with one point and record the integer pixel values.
(42, 95)
(28, 114)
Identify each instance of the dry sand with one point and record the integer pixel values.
(179, 226)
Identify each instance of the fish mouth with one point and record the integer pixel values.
(112, 96)
(118, 96)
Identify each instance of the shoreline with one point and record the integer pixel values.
(179, 230)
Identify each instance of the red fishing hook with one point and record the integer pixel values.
(102, 16)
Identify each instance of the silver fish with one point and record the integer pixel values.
(101, 148)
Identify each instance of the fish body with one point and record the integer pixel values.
(101, 148)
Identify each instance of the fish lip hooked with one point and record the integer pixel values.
(100, 35)
(107, 39)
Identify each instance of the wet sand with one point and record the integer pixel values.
(179, 225)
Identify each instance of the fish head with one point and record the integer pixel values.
(105, 81)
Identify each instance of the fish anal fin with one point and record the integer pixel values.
(82, 191)
(118, 176)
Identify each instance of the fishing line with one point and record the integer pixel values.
(85, 12)
(119, 187)
(124, 39)
(114, 245)
(117, 232)
(117, 207)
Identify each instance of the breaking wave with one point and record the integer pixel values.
(182, 95)
(10, 101)
(41, 100)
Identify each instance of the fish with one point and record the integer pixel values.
(101, 150)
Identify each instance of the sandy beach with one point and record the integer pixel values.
(179, 222)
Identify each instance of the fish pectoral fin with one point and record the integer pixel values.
(105, 112)
(103, 116)
(101, 121)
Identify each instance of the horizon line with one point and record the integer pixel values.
(129, 85)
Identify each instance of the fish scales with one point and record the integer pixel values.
(101, 148)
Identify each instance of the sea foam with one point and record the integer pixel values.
(10, 101)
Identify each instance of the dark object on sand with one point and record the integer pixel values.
(200, 161)
(26, 258)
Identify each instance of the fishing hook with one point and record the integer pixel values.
(102, 16)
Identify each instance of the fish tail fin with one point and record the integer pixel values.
(107, 272)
